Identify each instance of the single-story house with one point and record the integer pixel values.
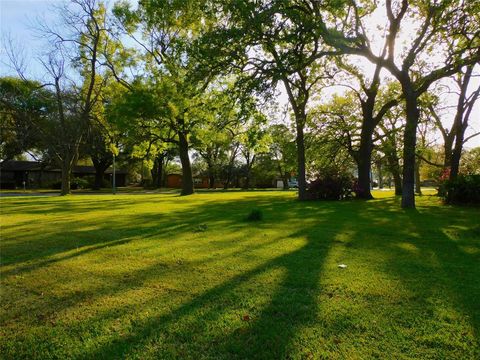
(14, 174)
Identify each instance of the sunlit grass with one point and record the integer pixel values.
(164, 276)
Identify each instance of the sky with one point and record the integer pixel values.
(18, 18)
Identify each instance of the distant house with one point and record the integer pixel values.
(35, 174)
(200, 182)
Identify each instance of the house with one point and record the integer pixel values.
(33, 174)
(199, 182)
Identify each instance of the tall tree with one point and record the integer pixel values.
(282, 151)
(75, 45)
(450, 26)
(272, 42)
(164, 33)
(454, 137)
(373, 108)
(23, 104)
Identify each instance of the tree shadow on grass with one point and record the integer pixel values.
(262, 308)
(434, 256)
(298, 286)
(255, 329)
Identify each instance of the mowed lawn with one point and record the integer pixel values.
(170, 277)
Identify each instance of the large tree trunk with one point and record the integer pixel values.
(456, 155)
(447, 148)
(364, 158)
(301, 173)
(187, 176)
(100, 168)
(157, 172)
(410, 141)
(364, 170)
(66, 176)
(464, 108)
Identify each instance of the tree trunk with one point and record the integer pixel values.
(447, 148)
(418, 188)
(100, 168)
(247, 179)
(410, 141)
(157, 172)
(301, 173)
(211, 175)
(456, 155)
(160, 172)
(380, 174)
(187, 176)
(457, 151)
(285, 182)
(227, 180)
(249, 171)
(364, 170)
(364, 159)
(66, 175)
(394, 168)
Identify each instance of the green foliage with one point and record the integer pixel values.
(470, 163)
(465, 189)
(24, 106)
(331, 185)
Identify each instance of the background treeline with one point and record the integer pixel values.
(254, 90)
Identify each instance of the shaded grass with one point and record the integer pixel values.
(163, 276)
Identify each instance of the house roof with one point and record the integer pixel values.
(14, 165)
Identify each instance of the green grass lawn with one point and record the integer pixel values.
(163, 276)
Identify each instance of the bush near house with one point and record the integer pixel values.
(465, 189)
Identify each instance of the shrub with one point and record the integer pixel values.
(465, 189)
(442, 182)
(331, 186)
(79, 183)
(255, 215)
(91, 182)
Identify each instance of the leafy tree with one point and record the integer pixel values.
(272, 42)
(471, 162)
(164, 32)
(373, 102)
(454, 137)
(76, 46)
(253, 141)
(282, 151)
(22, 106)
(450, 26)
(390, 134)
